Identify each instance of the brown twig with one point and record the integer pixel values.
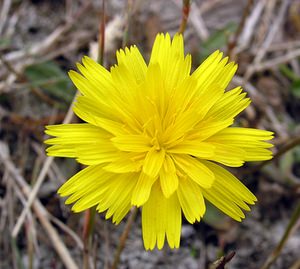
(185, 14)
(196, 20)
(123, 237)
(12, 69)
(221, 263)
(296, 265)
(232, 43)
(89, 216)
(88, 227)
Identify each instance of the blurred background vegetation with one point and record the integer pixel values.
(41, 40)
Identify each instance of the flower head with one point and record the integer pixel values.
(154, 138)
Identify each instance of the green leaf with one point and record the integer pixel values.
(213, 216)
(288, 72)
(50, 78)
(217, 40)
(286, 162)
(5, 43)
(296, 88)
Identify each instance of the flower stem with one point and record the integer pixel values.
(124, 236)
(89, 218)
(88, 227)
(292, 224)
(128, 22)
(185, 14)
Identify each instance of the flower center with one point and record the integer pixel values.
(155, 143)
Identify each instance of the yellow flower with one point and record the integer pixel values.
(153, 138)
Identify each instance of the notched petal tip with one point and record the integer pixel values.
(48, 141)
(48, 127)
(72, 73)
(61, 191)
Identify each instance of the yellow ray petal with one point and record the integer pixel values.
(212, 59)
(206, 73)
(97, 109)
(87, 143)
(153, 162)
(142, 190)
(83, 84)
(133, 60)
(168, 177)
(207, 128)
(228, 207)
(227, 154)
(191, 200)
(76, 131)
(95, 71)
(117, 199)
(229, 105)
(126, 162)
(132, 143)
(194, 148)
(81, 181)
(170, 57)
(161, 217)
(195, 169)
(251, 141)
(233, 193)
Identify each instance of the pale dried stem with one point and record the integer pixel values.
(4, 13)
(4, 205)
(260, 100)
(39, 210)
(197, 22)
(29, 216)
(45, 45)
(67, 230)
(273, 32)
(250, 24)
(286, 45)
(22, 58)
(55, 173)
(277, 61)
(290, 229)
(269, 39)
(209, 5)
(40, 178)
(231, 46)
